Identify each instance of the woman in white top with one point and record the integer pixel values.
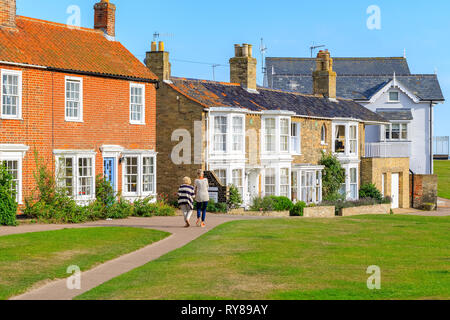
(201, 197)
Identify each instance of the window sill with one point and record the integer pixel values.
(74, 120)
(137, 123)
(323, 144)
(11, 118)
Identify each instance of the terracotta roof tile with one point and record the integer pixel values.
(59, 46)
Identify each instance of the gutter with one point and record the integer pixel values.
(413, 188)
(431, 137)
(98, 74)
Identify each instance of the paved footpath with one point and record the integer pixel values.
(57, 290)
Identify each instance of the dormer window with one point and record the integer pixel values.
(394, 96)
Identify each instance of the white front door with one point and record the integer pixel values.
(395, 190)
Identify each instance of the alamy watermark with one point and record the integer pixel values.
(374, 19)
(74, 19)
(374, 281)
(74, 281)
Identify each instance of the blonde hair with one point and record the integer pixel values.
(200, 173)
(187, 180)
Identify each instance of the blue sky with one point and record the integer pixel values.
(206, 31)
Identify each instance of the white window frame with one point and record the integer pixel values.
(239, 186)
(385, 128)
(296, 141)
(314, 188)
(238, 135)
(15, 157)
(286, 136)
(139, 86)
(80, 111)
(139, 189)
(274, 135)
(286, 185)
(18, 115)
(223, 170)
(76, 156)
(354, 141)
(223, 135)
(323, 135)
(348, 183)
(274, 171)
(398, 95)
(347, 150)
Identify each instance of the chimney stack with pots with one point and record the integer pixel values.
(324, 78)
(243, 67)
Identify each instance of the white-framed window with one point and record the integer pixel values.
(269, 134)
(394, 96)
(220, 133)
(270, 182)
(323, 135)
(137, 103)
(14, 169)
(238, 134)
(238, 180)
(354, 183)
(76, 174)
(222, 175)
(11, 94)
(307, 185)
(353, 139)
(294, 185)
(340, 139)
(295, 138)
(284, 135)
(284, 182)
(395, 131)
(139, 175)
(74, 99)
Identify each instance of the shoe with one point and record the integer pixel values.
(203, 225)
(198, 222)
(187, 225)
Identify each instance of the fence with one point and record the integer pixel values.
(441, 148)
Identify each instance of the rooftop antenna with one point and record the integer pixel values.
(313, 47)
(263, 50)
(214, 66)
(404, 53)
(156, 36)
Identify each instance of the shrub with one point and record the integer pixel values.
(235, 198)
(263, 204)
(164, 210)
(216, 207)
(297, 209)
(8, 204)
(121, 209)
(369, 190)
(104, 191)
(147, 208)
(333, 176)
(282, 203)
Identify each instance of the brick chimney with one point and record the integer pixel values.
(105, 17)
(243, 67)
(157, 60)
(324, 78)
(8, 14)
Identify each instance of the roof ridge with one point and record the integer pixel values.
(300, 93)
(206, 81)
(343, 58)
(59, 24)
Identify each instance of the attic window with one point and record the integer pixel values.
(394, 96)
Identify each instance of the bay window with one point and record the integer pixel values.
(238, 180)
(269, 134)
(220, 133)
(340, 140)
(137, 103)
(238, 134)
(139, 175)
(295, 138)
(284, 182)
(310, 185)
(350, 188)
(353, 183)
(345, 139)
(11, 94)
(284, 135)
(222, 176)
(353, 139)
(269, 182)
(74, 99)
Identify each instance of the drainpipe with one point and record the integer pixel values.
(413, 188)
(431, 137)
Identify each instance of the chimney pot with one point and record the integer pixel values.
(243, 67)
(154, 46)
(324, 78)
(157, 60)
(161, 46)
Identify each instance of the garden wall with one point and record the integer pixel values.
(375, 209)
(319, 212)
(424, 189)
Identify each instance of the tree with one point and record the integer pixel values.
(333, 177)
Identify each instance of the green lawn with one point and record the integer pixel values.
(299, 259)
(27, 259)
(442, 169)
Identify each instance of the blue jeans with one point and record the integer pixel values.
(201, 210)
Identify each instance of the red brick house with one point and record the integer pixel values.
(78, 98)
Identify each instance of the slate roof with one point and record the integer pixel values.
(219, 94)
(396, 114)
(357, 78)
(58, 46)
(342, 66)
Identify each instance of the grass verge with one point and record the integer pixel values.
(28, 259)
(442, 169)
(299, 259)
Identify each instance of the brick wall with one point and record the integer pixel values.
(372, 170)
(8, 13)
(424, 188)
(105, 114)
(311, 146)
